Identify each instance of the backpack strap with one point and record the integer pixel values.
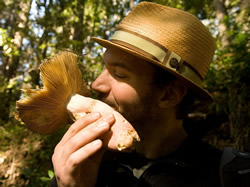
(235, 168)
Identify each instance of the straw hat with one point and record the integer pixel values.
(170, 38)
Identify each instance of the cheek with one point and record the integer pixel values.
(125, 94)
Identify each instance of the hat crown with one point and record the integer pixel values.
(175, 30)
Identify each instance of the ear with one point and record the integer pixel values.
(172, 94)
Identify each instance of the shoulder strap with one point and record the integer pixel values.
(235, 168)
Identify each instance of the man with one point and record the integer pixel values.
(154, 66)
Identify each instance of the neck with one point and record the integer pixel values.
(164, 137)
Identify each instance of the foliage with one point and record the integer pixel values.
(228, 80)
(30, 32)
(34, 30)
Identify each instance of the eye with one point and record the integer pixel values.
(120, 72)
(119, 75)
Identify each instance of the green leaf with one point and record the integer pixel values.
(51, 174)
(45, 179)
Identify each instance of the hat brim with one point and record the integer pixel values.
(199, 92)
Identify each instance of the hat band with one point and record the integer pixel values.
(158, 53)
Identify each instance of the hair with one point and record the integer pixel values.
(163, 78)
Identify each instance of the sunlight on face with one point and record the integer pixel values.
(127, 85)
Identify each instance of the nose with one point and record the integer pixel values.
(102, 82)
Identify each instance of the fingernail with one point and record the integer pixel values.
(95, 114)
(108, 118)
(103, 125)
(96, 142)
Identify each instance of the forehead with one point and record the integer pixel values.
(117, 57)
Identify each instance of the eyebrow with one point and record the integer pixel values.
(122, 65)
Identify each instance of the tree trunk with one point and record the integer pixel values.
(221, 13)
(17, 35)
(79, 31)
(243, 16)
(131, 4)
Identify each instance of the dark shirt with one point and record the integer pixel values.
(195, 163)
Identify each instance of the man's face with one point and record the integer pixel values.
(126, 84)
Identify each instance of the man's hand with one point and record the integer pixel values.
(77, 156)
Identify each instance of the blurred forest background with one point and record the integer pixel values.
(32, 30)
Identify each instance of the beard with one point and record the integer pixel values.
(139, 113)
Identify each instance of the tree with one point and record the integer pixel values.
(33, 30)
(30, 32)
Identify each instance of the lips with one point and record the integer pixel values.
(104, 99)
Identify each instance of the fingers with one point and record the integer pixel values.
(81, 134)
(78, 154)
(78, 125)
(86, 135)
(82, 154)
